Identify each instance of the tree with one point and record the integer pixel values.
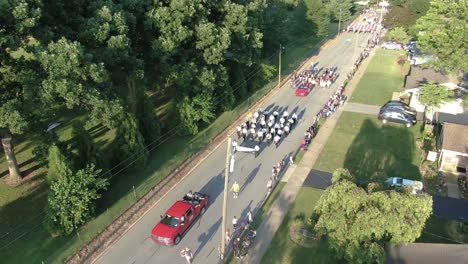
(317, 13)
(130, 143)
(59, 166)
(399, 16)
(12, 120)
(443, 32)
(433, 95)
(418, 7)
(342, 174)
(86, 151)
(399, 34)
(340, 10)
(358, 224)
(72, 199)
(193, 111)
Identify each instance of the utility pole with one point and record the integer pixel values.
(226, 183)
(339, 23)
(279, 65)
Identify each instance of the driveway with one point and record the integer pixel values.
(451, 208)
(427, 253)
(251, 173)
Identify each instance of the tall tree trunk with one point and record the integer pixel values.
(14, 177)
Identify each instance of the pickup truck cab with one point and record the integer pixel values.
(178, 219)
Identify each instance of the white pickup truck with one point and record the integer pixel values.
(417, 186)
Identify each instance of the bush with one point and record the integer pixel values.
(59, 166)
(72, 198)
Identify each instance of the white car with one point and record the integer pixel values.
(392, 45)
(417, 186)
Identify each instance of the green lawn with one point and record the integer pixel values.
(283, 250)
(441, 230)
(371, 150)
(383, 76)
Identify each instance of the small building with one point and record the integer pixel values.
(453, 147)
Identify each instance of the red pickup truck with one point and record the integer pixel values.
(179, 218)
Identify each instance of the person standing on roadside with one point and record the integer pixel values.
(228, 236)
(187, 254)
(234, 223)
(249, 217)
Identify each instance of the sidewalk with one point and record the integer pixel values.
(362, 108)
(282, 204)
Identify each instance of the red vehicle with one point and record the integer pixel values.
(179, 218)
(304, 89)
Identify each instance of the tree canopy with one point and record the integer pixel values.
(398, 34)
(358, 224)
(71, 201)
(433, 95)
(443, 32)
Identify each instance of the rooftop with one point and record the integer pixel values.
(455, 137)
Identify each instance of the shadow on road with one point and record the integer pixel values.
(214, 186)
(205, 237)
(250, 177)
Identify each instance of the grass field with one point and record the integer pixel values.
(371, 150)
(282, 250)
(21, 211)
(383, 76)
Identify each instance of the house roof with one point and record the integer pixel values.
(420, 76)
(455, 137)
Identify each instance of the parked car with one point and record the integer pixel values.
(178, 219)
(397, 116)
(398, 105)
(416, 186)
(391, 45)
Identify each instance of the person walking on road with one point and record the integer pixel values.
(187, 254)
(277, 140)
(257, 150)
(235, 189)
(234, 146)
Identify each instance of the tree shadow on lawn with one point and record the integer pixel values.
(379, 152)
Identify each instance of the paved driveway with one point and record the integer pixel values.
(251, 173)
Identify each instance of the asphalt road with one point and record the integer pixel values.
(251, 173)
